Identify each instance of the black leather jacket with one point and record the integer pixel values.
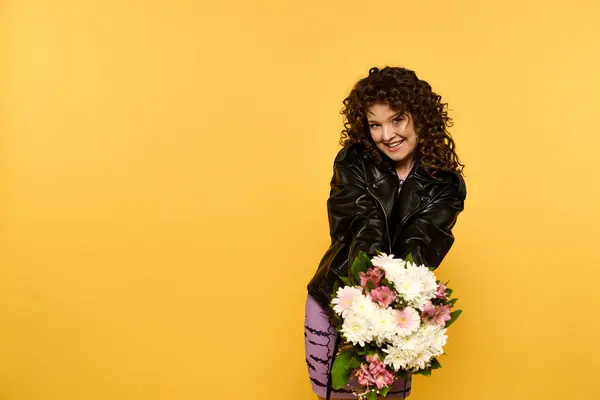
(366, 214)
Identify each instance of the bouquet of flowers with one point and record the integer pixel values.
(392, 317)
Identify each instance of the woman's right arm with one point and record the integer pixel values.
(354, 216)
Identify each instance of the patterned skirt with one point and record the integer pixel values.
(319, 344)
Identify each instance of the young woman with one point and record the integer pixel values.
(397, 187)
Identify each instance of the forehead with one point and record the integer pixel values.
(382, 111)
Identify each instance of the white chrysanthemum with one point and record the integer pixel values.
(411, 342)
(397, 358)
(416, 351)
(436, 337)
(381, 259)
(356, 329)
(414, 283)
(422, 360)
(343, 301)
(363, 306)
(383, 325)
(393, 266)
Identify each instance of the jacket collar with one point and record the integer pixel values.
(418, 171)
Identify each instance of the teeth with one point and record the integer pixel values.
(394, 144)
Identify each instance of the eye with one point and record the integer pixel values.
(373, 126)
(399, 118)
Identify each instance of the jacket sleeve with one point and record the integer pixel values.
(428, 235)
(354, 216)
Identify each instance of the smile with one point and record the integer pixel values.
(395, 145)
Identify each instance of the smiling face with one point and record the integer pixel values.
(393, 133)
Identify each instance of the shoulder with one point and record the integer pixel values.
(349, 165)
(351, 155)
(454, 183)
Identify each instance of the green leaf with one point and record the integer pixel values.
(360, 264)
(336, 286)
(437, 301)
(453, 316)
(383, 392)
(354, 362)
(403, 375)
(345, 280)
(435, 364)
(361, 352)
(426, 372)
(372, 395)
(340, 371)
(448, 292)
(409, 258)
(451, 302)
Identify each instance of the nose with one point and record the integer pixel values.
(388, 132)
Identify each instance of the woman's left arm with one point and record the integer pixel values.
(428, 235)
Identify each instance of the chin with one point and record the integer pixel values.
(397, 157)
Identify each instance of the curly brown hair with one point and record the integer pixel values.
(404, 92)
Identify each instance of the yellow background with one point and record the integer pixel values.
(165, 165)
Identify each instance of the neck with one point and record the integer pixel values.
(403, 168)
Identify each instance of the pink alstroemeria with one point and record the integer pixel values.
(442, 315)
(376, 373)
(438, 315)
(372, 275)
(364, 376)
(428, 311)
(383, 295)
(376, 369)
(383, 379)
(375, 363)
(441, 292)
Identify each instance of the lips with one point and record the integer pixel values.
(395, 145)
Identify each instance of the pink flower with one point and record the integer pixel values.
(373, 275)
(364, 376)
(375, 364)
(407, 321)
(439, 315)
(376, 369)
(383, 295)
(373, 358)
(428, 311)
(441, 292)
(376, 374)
(442, 315)
(383, 379)
(343, 301)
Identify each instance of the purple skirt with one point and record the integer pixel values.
(319, 344)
